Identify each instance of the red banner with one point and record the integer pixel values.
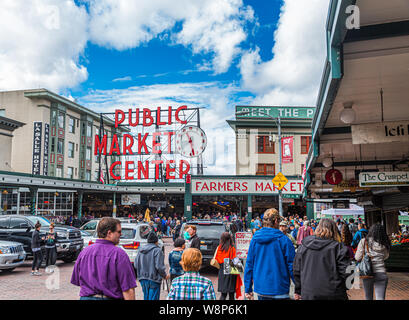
(287, 145)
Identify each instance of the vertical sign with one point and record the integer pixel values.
(287, 149)
(38, 128)
(45, 154)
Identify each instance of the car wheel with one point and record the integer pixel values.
(69, 259)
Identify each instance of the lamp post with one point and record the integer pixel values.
(278, 123)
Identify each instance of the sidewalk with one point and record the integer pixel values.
(398, 288)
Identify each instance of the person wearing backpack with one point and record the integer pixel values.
(377, 245)
(359, 235)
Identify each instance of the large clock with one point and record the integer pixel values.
(191, 141)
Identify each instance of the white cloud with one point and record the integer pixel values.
(294, 73)
(40, 44)
(124, 79)
(215, 27)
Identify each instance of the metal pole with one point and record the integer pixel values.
(280, 200)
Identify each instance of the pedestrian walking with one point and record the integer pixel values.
(175, 256)
(320, 265)
(359, 235)
(304, 231)
(353, 228)
(284, 229)
(269, 264)
(194, 240)
(103, 270)
(150, 268)
(50, 248)
(176, 230)
(227, 283)
(346, 238)
(191, 285)
(377, 245)
(36, 241)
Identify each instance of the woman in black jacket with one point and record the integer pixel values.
(320, 265)
(36, 248)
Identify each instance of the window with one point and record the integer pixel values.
(144, 231)
(70, 172)
(89, 130)
(97, 158)
(61, 120)
(128, 233)
(58, 172)
(88, 175)
(92, 225)
(265, 144)
(70, 149)
(302, 168)
(265, 169)
(305, 144)
(52, 144)
(88, 154)
(18, 223)
(53, 118)
(71, 125)
(60, 146)
(96, 175)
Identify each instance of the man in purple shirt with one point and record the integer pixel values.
(102, 270)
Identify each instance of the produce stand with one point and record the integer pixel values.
(399, 254)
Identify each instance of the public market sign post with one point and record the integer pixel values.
(384, 179)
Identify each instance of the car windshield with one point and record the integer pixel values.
(128, 233)
(210, 231)
(44, 222)
(86, 233)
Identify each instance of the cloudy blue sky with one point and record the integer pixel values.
(213, 54)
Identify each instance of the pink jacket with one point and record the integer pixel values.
(303, 232)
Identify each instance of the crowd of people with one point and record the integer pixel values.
(312, 257)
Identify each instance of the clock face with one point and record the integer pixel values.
(191, 141)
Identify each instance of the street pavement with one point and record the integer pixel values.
(20, 285)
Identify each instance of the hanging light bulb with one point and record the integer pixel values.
(327, 162)
(348, 114)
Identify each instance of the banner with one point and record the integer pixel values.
(287, 145)
(130, 199)
(45, 154)
(37, 137)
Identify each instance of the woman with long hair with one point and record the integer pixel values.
(378, 245)
(320, 265)
(227, 283)
(346, 238)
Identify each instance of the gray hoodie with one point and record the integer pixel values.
(149, 263)
(378, 253)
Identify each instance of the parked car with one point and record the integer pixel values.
(134, 235)
(19, 228)
(12, 255)
(209, 233)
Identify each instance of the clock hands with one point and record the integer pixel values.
(191, 143)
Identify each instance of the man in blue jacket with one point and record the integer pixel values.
(359, 235)
(269, 264)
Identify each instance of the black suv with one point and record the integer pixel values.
(18, 228)
(209, 233)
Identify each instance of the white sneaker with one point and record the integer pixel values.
(38, 273)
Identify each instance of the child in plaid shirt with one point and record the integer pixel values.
(191, 285)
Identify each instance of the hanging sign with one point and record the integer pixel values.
(45, 154)
(37, 137)
(333, 176)
(384, 179)
(243, 240)
(383, 132)
(287, 144)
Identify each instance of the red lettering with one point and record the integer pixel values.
(169, 169)
(115, 145)
(128, 170)
(205, 186)
(111, 170)
(292, 186)
(133, 124)
(237, 186)
(147, 115)
(169, 115)
(213, 186)
(158, 122)
(144, 170)
(222, 186)
(177, 114)
(157, 163)
(182, 171)
(169, 134)
(155, 143)
(259, 186)
(142, 143)
(197, 185)
(245, 186)
(300, 186)
(229, 187)
(268, 186)
(99, 146)
(126, 146)
(117, 121)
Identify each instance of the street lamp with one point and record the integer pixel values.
(277, 121)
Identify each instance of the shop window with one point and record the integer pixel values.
(305, 144)
(265, 169)
(265, 144)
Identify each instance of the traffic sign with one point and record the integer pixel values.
(280, 180)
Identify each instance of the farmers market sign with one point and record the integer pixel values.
(384, 179)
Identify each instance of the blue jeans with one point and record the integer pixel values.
(151, 289)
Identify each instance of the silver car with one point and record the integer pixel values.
(12, 255)
(134, 235)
